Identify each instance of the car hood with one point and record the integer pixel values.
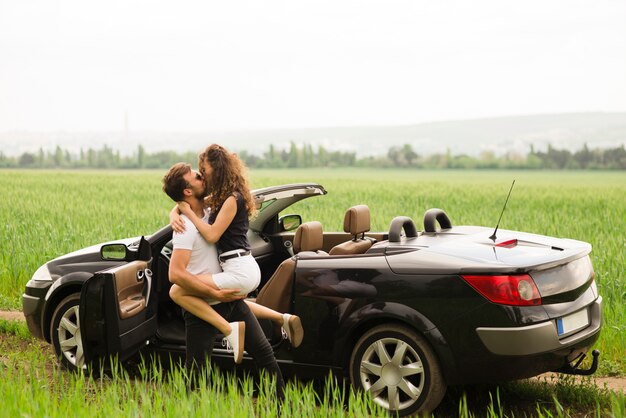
(84, 260)
(469, 249)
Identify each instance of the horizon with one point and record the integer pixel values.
(499, 135)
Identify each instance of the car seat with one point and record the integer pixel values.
(277, 292)
(356, 221)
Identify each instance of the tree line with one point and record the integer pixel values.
(306, 156)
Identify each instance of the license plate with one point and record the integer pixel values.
(572, 322)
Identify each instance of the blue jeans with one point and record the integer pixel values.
(200, 338)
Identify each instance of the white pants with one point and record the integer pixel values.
(239, 273)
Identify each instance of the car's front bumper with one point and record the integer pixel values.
(32, 305)
(538, 338)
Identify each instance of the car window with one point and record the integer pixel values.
(298, 208)
(314, 210)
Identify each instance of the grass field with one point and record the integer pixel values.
(33, 385)
(44, 214)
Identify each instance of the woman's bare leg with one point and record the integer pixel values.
(264, 312)
(259, 311)
(199, 308)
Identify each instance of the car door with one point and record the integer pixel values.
(117, 312)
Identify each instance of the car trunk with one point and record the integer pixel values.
(469, 250)
(566, 281)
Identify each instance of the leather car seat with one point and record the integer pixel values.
(356, 222)
(277, 292)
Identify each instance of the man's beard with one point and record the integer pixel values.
(200, 195)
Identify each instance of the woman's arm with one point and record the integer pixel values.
(177, 223)
(212, 233)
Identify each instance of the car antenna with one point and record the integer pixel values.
(493, 236)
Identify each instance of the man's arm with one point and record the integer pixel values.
(179, 275)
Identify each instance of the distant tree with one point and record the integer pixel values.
(293, 160)
(488, 160)
(558, 158)
(615, 158)
(322, 156)
(464, 162)
(583, 157)
(26, 160)
(395, 155)
(250, 160)
(445, 163)
(41, 158)
(305, 156)
(273, 158)
(533, 161)
(58, 158)
(141, 155)
(308, 156)
(91, 158)
(271, 153)
(6, 161)
(409, 155)
(513, 159)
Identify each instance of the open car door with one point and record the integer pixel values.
(117, 312)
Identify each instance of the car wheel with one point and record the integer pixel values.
(398, 369)
(65, 333)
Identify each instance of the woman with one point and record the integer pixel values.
(231, 205)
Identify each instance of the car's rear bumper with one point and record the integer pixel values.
(538, 338)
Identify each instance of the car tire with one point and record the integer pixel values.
(398, 369)
(65, 333)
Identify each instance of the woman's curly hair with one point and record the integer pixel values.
(229, 176)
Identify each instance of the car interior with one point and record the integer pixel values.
(131, 288)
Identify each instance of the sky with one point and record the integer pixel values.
(194, 66)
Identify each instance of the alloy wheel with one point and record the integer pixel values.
(70, 341)
(393, 373)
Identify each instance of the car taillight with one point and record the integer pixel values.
(518, 290)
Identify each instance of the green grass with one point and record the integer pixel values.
(33, 385)
(16, 328)
(44, 214)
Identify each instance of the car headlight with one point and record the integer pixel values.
(42, 274)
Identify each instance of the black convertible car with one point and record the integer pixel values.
(402, 314)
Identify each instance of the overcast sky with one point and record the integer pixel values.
(190, 66)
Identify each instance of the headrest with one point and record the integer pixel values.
(357, 220)
(309, 237)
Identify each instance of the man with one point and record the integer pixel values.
(191, 256)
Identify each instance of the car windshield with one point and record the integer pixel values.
(266, 204)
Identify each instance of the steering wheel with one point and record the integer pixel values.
(434, 216)
(400, 223)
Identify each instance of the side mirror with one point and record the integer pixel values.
(289, 222)
(114, 252)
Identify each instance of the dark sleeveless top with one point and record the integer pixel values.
(235, 237)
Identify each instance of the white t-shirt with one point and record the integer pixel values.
(203, 255)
